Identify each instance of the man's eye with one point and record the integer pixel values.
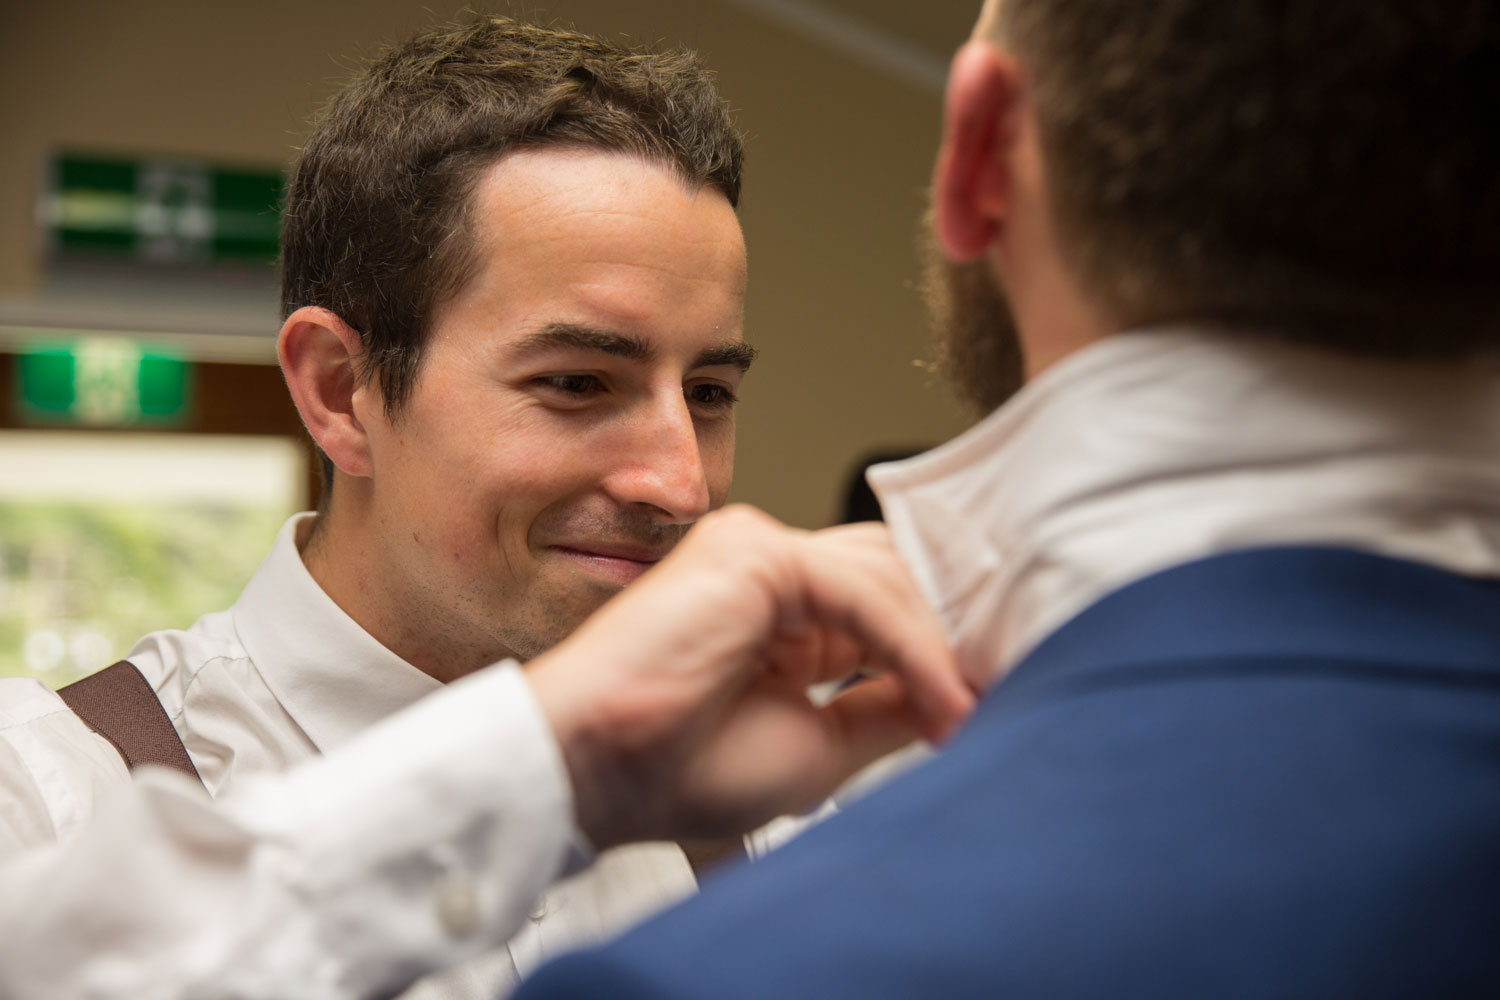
(711, 395)
(573, 385)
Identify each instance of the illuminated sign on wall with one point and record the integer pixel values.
(102, 382)
(160, 211)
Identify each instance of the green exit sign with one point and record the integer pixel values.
(161, 212)
(102, 382)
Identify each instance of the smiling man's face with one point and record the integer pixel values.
(574, 410)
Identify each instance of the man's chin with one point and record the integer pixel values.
(554, 613)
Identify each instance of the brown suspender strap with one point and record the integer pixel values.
(120, 705)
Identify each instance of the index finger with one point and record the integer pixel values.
(855, 583)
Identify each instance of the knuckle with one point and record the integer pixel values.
(738, 518)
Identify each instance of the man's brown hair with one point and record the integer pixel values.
(1325, 170)
(376, 223)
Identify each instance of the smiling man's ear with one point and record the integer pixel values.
(973, 179)
(320, 356)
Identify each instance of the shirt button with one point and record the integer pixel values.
(457, 906)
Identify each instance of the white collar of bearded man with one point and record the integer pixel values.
(1157, 447)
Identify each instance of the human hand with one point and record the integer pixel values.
(681, 705)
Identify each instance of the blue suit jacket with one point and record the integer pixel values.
(1268, 774)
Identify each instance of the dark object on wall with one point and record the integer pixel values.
(859, 500)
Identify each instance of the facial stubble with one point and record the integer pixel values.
(974, 335)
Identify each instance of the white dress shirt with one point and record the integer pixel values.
(1154, 448)
(423, 846)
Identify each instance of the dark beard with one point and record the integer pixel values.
(973, 331)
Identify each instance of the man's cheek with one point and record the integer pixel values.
(718, 466)
(465, 543)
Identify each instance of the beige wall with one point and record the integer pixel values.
(839, 154)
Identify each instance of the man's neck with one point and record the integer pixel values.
(350, 571)
(1053, 318)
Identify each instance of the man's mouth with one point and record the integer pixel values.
(619, 564)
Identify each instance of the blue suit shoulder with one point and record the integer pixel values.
(1275, 773)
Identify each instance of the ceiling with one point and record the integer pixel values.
(901, 39)
(937, 26)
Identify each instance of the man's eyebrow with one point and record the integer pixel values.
(569, 336)
(737, 354)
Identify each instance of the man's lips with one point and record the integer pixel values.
(619, 564)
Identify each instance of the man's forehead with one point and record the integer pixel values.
(588, 242)
(612, 201)
(533, 176)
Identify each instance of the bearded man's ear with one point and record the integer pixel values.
(972, 180)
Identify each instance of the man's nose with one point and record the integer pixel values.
(660, 462)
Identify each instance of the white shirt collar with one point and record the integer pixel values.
(332, 676)
(1154, 448)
